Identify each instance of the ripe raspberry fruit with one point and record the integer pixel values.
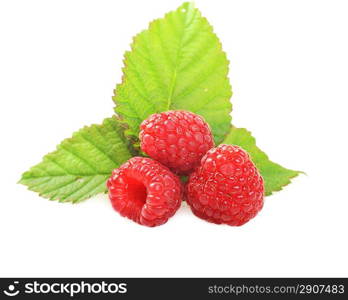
(226, 188)
(177, 139)
(145, 191)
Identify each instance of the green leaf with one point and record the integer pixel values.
(177, 63)
(274, 175)
(80, 166)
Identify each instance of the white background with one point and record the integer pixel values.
(59, 63)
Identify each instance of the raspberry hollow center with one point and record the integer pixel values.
(137, 193)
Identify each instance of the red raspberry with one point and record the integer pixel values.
(226, 188)
(145, 191)
(177, 139)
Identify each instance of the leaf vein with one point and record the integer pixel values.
(79, 158)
